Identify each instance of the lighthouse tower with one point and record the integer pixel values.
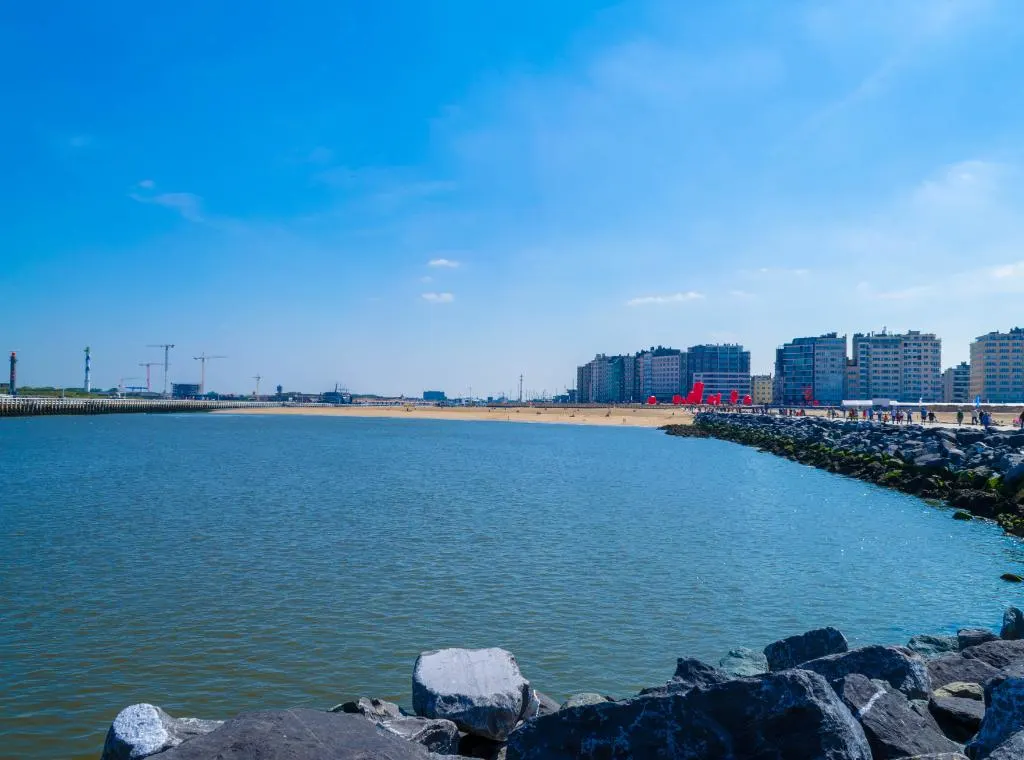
(88, 370)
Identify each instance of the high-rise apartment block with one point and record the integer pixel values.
(997, 367)
(722, 368)
(956, 384)
(809, 370)
(661, 373)
(902, 367)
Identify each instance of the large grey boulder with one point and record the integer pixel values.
(742, 663)
(1013, 624)
(961, 690)
(297, 734)
(958, 717)
(1004, 717)
(480, 690)
(540, 704)
(1007, 656)
(939, 756)
(899, 667)
(953, 668)
(972, 637)
(928, 645)
(792, 714)
(793, 650)
(893, 729)
(690, 673)
(438, 736)
(142, 730)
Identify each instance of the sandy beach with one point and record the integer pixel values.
(614, 417)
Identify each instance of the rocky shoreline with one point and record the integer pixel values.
(979, 472)
(807, 696)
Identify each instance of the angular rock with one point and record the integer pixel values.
(792, 714)
(961, 690)
(893, 729)
(481, 749)
(297, 734)
(790, 652)
(373, 709)
(954, 667)
(540, 704)
(971, 637)
(959, 718)
(742, 662)
(438, 736)
(142, 730)
(480, 690)
(928, 645)
(899, 667)
(1004, 717)
(938, 756)
(1013, 625)
(583, 699)
(1011, 749)
(1007, 656)
(690, 673)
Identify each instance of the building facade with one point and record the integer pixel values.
(997, 367)
(898, 366)
(956, 384)
(722, 368)
(762, 389)
(812, 369)
(606, 380)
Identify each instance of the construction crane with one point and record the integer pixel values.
(257, 378)
(147, 365)
(202, 359)
(167, 359)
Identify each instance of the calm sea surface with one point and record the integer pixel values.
(215, 564)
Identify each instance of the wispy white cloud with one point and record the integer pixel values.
(147, 184)
(80, 141)
(188, 205)
(443, 263)
(426, 278)
(689, 295)
(741, 294)
(438, 297)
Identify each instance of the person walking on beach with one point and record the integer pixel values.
(1020, 420)
(960, 417)
(910, 416)
(974, 417)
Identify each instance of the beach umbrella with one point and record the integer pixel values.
(652, 400)
(747, 400)
(677, 399)
(734, 396)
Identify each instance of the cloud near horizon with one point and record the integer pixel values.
(443, 263)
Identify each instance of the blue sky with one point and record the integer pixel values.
(410, 194)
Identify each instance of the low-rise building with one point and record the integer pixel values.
(762, 389)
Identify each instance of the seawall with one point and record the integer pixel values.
(980, 472)
(16, 406)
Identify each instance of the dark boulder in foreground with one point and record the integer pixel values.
(1004, 719)
(958, 717)
(893, 728)
(298, 734)
(370, 708)
(1007, 656)
(972, 637)
(480, 690)
(954, 668)
(793, 650)
(899, 667)
(142, 730)
(790, 715)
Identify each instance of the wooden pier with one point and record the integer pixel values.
(19, 406)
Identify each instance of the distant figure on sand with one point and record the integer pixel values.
(960, 417)
(1020, 420)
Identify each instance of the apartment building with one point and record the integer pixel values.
(898, 366)
(997, 367)
(811, 369)
(956, 384)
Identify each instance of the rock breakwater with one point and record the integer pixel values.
(980, 472)
(809, 696)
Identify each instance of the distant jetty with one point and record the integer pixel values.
(19, 406)
(979, 471)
